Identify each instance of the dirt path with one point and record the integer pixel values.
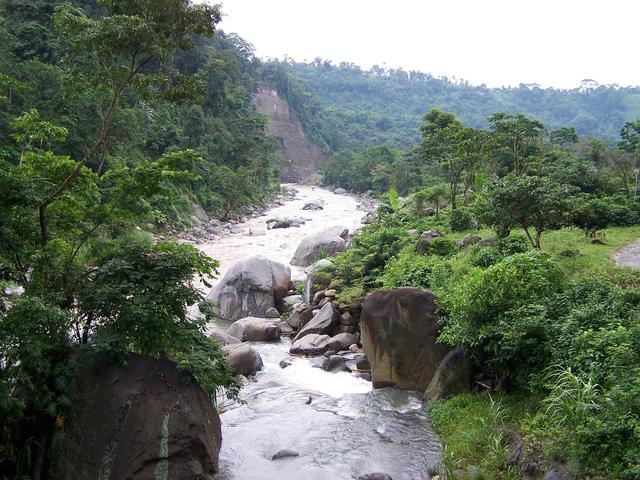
(629, 256)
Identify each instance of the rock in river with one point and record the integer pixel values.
(399, 331)
(143, 420)
(322, 322)
(252, 329)
(243, 359)
(319, 245)
(250, 288)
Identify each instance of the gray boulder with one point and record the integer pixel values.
(223, 337)
(452, 376)
(272, 313)
(243, 359)
(251, 287)
(345, 340)
(319, 245)
(312, 344)
(315, 281)
(292, 299)
(339, 191)
(312, 206)
(335, 363)
(362, 363)
(426, 239)
(198, 212)
(375, 476)
(252, 329)
(322, 322)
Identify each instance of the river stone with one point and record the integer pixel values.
(362, 363)
(285, 328)
(339, 191)
(319, 245)
(198, 212)
(222, 337)
(453, 376)
(292, 299)
(399, 331)
(335, 363)
(312, 206)
(243, 359)
(322, 322)
(345, 340)
(137, 421)
(272, 313)
(312, 344)
(285, 454)
(251, 287)
(314, 281)
(252, 329)
(375, 476)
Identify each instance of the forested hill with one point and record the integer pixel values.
(343, 106)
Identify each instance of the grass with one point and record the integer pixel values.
(472, 429)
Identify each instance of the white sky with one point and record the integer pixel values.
(497, 42)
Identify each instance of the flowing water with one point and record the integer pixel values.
(338, 424)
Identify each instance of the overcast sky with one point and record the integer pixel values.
(497, 42)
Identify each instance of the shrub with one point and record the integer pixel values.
(484, 257)
(442, 247)
(460, 220)
(500, 313)
(513, 244)
(413, 270)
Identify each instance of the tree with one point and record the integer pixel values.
(517, 139)
(128, 48)
(531, 202)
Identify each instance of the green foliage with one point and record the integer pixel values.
(460, 220)
(526, 201)
(412, 270)
(500, 314)
(472, 429)
(363, 263)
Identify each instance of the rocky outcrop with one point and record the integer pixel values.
(145, 420)
(243, 359)
(252, 329)
(250, 287)
(320, 245)
(453, 376)
(426, 239)
(399, 330)
(301, 157)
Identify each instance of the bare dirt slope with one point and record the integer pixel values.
(301, 157)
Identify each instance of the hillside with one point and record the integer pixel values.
(347, 107)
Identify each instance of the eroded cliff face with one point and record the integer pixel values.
(301, 157)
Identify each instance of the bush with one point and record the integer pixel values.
(500, 313)
(442, 247)
(460, 220)
(513, 244)
(484, 257)
(413, 270)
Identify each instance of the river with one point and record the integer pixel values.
(348, 428)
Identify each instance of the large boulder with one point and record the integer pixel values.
(322, 322)
(243, 359)
(399, 329)
(315, 281)
(252, 329)
(319, 245)
(426, 239)
(313, 344)
(453, 376)
(222, 337)
(251, 287)
(140, 421)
